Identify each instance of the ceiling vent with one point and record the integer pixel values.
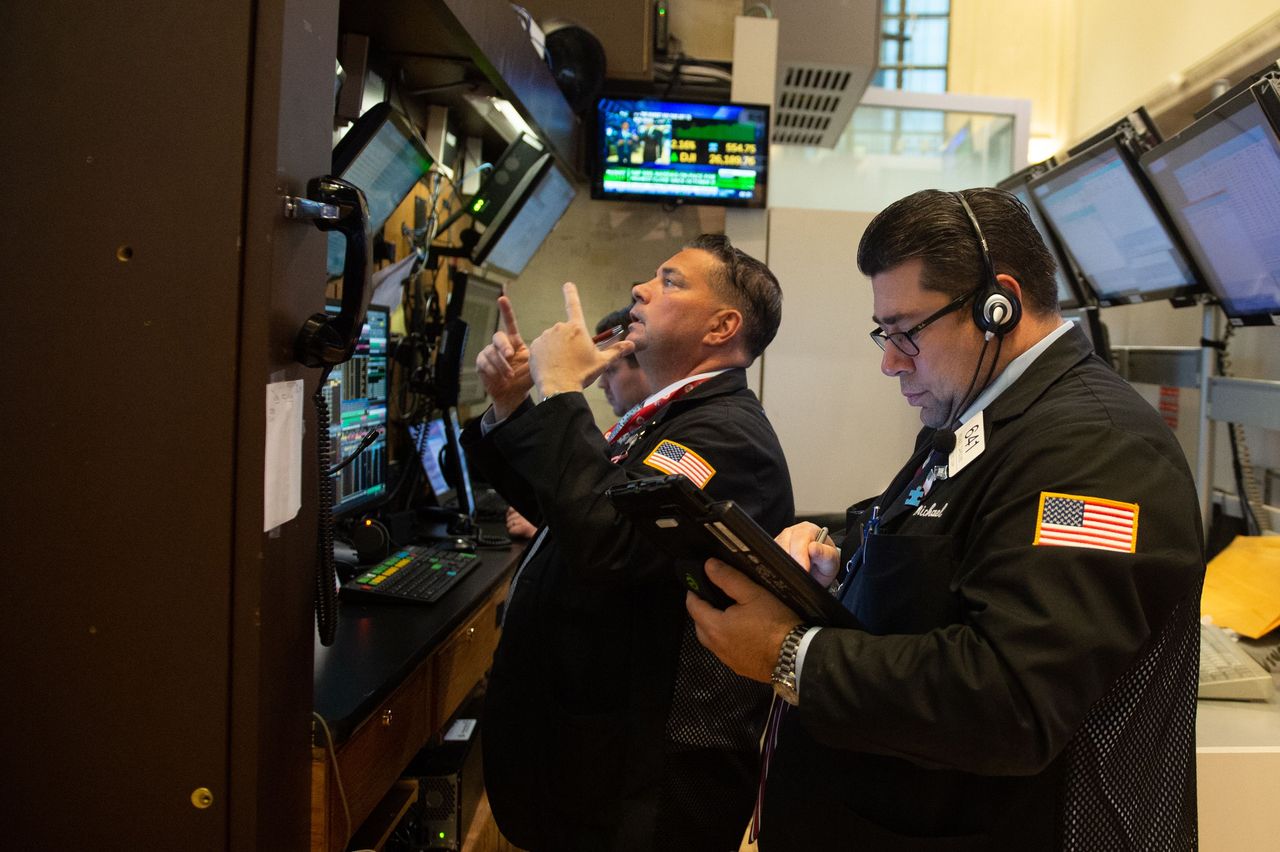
(827, 52)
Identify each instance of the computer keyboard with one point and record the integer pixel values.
(412, 574)
(1227, 670)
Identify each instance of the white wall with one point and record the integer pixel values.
(1127, 50)
(844, 426)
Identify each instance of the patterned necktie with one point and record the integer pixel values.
(777, 709)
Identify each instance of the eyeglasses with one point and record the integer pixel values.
(905, 341)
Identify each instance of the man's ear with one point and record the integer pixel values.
(726, 327)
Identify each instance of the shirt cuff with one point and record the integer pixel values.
(489, 421)
(800, 651)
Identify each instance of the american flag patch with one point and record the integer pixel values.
(670, 457)
(1068, 520)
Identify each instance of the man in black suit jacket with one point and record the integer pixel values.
(1027, 588)
(606, 724)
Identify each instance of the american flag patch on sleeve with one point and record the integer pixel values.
(1069, 520)
(670, 457)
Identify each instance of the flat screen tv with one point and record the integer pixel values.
(680, 152)
(1220, 181)
(1106, 216)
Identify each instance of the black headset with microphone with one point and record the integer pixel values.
(996, 310)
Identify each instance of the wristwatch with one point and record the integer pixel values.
(785, 684)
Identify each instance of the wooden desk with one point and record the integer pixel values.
(393, 677)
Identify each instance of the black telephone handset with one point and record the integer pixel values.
(326, 340)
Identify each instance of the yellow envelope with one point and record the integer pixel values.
(1242, 586)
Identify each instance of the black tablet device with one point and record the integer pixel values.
(692, 527)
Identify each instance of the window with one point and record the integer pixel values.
(914, 37)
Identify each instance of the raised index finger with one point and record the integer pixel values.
(508, 317)
(572, 307)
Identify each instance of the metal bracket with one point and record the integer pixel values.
(305, 209)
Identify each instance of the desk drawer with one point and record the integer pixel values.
(464, 658)
(382, 746)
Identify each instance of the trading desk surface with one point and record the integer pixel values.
(378, 645)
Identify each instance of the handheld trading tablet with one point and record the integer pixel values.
(692, 527)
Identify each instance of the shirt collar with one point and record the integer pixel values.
(1013, 372)
(676, 385)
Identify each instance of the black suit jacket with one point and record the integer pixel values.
(588, 742)
(1005, 694)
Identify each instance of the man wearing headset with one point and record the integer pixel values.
(1024, 671)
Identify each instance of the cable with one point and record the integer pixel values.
(369, 438)
(326, 573)
(1248, 490)
(956, 408)
(337, 775)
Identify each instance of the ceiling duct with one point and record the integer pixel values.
(827, 52)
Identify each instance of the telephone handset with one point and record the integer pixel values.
(326, 340)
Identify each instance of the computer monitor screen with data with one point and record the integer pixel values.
(1220, 181)
(480, 312)
(357, 395)
(1100, 209)
(431, 447)
(1067, 296)
(532, 222)
(437, 443)
(384, 156)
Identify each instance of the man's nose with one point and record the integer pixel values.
(894, 362)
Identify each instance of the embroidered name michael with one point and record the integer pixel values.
(931, 511)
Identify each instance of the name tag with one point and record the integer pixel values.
(970, 442)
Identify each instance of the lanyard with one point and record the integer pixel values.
(626, 429)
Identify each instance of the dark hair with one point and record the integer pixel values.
(932, 225)
(748, 285)
(622, 317)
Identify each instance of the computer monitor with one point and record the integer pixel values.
(680, 152)
(357, 395)
(1064, 277)
(385, 157)
(444, 461)
(1087, 319)
(1105, 216)
(531, 223)
(503, 194)
(479, 310)
(1220, 181)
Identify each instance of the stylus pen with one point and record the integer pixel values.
(822, 536)
(609, 336)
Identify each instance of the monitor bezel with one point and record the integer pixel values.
(1178, 293)
(1264, 95)
(595, 165)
